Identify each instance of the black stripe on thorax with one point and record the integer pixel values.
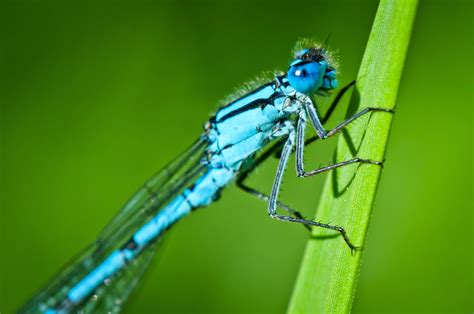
(246, 95)
(257, 103)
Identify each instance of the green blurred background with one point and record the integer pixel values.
(97, 96)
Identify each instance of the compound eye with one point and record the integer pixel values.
(306, 77)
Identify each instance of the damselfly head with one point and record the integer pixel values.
(312, 70)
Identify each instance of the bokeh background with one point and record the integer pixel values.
(96, 96)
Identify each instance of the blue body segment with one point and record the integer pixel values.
(263, 92)
(171, 213)
(232, 137)
(113, 263)
(201, 194)
(230, 142)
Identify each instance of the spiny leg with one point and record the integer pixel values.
(266, 198)
(273, 201)
(344, 123)
(339, 229)
(318, 123)
(322, 133)
(300, 143)
(244, 175)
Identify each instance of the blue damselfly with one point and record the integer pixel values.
(267, 117)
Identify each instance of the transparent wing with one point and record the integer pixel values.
(167, 176)
(144, 204)
(111, 297)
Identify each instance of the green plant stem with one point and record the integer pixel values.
(328, 275)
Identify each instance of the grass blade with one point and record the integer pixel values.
(328, 275)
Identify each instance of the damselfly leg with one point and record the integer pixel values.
(276, 150)
(297, 139)
(300, 143)
(273, 201)
(333, 106)
(260, 195)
